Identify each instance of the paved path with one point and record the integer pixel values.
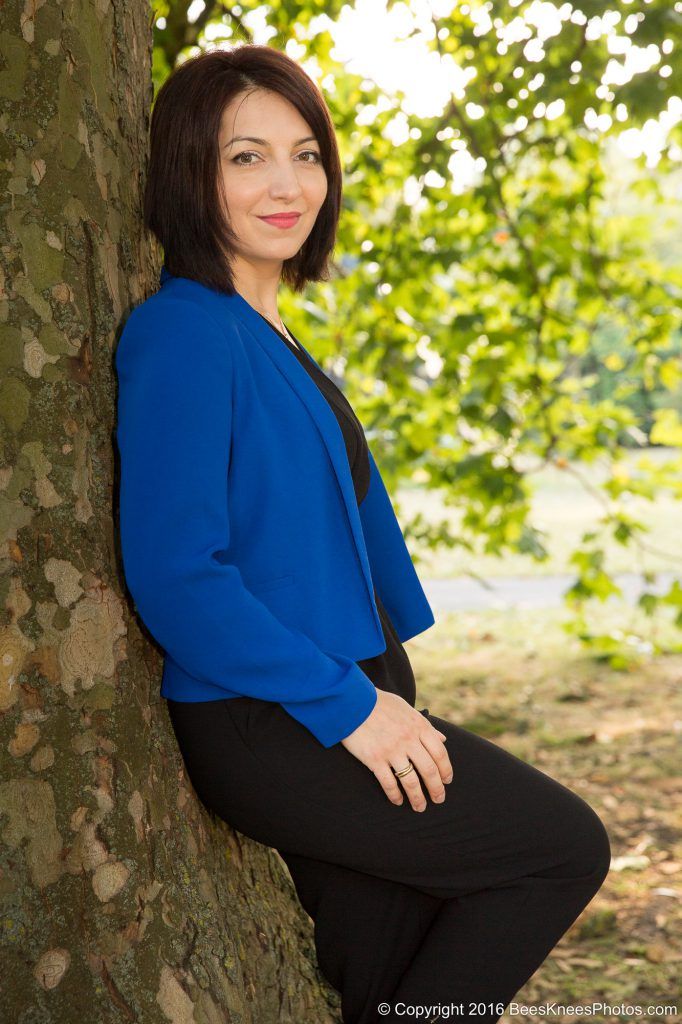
(466, 594)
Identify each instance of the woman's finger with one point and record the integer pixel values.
(428, 769)
(440, 755)
(410, 782)
(389, 784)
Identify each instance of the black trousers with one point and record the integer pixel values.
(457, 904)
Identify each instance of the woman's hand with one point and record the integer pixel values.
(393, 734)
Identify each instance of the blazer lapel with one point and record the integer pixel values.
(324, 420)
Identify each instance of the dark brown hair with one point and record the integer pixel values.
(184, 195)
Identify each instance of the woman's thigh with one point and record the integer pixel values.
(502, 819)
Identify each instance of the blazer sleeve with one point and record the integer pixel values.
(175, 375)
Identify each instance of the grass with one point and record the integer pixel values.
(613, 737)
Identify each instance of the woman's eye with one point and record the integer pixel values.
(247, 153)
(237, 159)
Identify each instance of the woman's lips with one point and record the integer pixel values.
(282, 220)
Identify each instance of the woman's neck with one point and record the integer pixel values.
(260, 291)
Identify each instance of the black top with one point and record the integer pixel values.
(390, 670)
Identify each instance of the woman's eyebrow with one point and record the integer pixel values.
(262, 142)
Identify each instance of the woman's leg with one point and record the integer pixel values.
(490, 942)
(515, 854)
(367, 930)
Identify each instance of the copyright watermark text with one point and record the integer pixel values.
(429, 1012)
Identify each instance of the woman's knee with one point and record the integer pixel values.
(588, 846)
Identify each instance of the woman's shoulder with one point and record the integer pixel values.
(179, 306)
(178, 324)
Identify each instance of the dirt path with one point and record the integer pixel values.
(466, 593)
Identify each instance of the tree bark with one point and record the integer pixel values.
(123, 899)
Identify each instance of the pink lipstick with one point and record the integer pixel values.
(282, 220)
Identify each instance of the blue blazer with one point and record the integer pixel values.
(243, 545)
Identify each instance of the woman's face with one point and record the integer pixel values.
(270, 164)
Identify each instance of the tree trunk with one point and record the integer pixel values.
(123, 899)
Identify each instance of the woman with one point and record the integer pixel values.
(264, 555)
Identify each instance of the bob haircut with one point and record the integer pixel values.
(184, 189)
